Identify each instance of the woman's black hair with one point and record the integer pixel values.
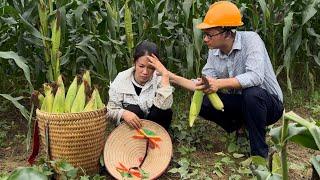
(145, 48)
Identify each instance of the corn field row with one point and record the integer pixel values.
(46, 37)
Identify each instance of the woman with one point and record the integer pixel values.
(142, 91)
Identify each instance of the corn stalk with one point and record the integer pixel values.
(128, 28)
(283, 152)
(51, 51)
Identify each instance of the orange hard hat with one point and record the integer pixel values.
(221, 14)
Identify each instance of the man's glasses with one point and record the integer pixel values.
(210, 36)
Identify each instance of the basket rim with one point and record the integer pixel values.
(71, 113)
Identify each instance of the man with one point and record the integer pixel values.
(238, 64)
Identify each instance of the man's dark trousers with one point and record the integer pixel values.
(255, 108)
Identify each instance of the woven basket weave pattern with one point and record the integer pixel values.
(76, 137)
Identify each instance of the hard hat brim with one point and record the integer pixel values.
(205, 26)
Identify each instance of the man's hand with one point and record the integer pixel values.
(211, 86)
(131, 119)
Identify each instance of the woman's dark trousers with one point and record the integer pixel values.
(160, 116)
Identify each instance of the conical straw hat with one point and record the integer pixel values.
(123, 150)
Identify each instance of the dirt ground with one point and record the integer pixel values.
(13, 153)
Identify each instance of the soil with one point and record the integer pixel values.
(13, 154)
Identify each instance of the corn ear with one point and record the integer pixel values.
(55, 44)
(216, 101)
(80, 99)
(195, 106)
(86, 77)
(92, 104)
(40, 98)
(71, 94)
(59, 100)
(56, 33)
(60, 82)
(37, 98)
(48, 100)
(99, 101)
(128, 26)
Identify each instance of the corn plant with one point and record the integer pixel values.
(288, 30)
(51, 50)
(302, 132)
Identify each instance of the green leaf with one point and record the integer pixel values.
(31, 28)
(276, 163)
(173, 170)
(296, 41)
(26, 173)
(190, 62)
(264, 8)
(128, 26)
(186, 6)
(242, 170)
(197, 36)
(220, 154)
(262, 174)
(315, 161)
(232, 147)
(308, 13)
(9, 20)
(226, 160)
(287, 64)
(84, 178)
(315, 57)
(305, 139)
(311, 32)
(9, 10)
(15, 102)
(79, 11)
(246, 162)
(236, 155)
(275, 177)
(313, 128)
(295, 133)
(111, 20)
(275, 134)
(315, 132)
(258, 160)
(21, 63)
(288, 20)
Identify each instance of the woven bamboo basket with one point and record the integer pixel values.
(77, 138)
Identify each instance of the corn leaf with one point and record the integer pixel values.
(190, 59)
(30, 28)
(14, 101)
(264, 8)
(293, 130)
(21, 63)
(186, 6)
(308, 13)
(27, 173)
(197, 36)
(315, 161)
(313, 128)
(288, 20)
(287, 64)
(128, 27)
